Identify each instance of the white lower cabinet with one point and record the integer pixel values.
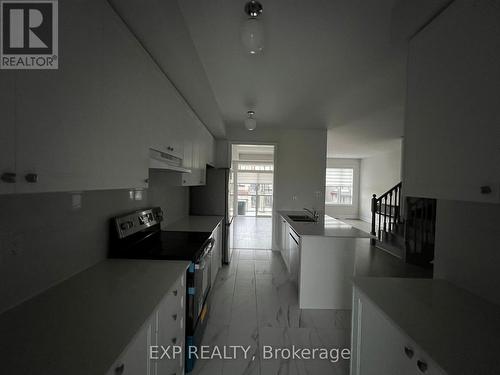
(216, 252)
(285, 242)
(294, 255)
(170, 330)
(380, 347)
(164, 328)
(135, 358)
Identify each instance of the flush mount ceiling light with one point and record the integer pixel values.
(250, 122)
(252, 33)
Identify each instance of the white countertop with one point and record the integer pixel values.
(83, 324)
(326, 226)
(194, 224)
(458, 330)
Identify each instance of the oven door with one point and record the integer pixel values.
(202, 277)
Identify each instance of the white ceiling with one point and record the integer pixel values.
(326, 64)
(160, 27)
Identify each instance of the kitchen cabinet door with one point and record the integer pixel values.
(211, 149)
(8, 129)
(169, 130)
(58, 111)
(130, 106)
(285, 252)
(84, 126)
(452, 129)
(216, 253)
(294, 256)
(380, 347)
(135, 359)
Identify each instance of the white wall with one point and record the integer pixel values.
(378, 174)
(343, 211)
(300, 164)
(164, 191)
(467, 251)
(62, 234)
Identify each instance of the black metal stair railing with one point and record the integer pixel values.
(385, 210)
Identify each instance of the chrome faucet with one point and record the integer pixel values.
(313, 213)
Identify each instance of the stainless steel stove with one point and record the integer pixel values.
(138, 235)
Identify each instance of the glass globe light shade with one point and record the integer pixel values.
(252, 36)
(250, 122)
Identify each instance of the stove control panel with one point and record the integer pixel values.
(137, 221)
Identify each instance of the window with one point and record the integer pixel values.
(339, 186)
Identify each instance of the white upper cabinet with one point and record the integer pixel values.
(57, 110)
(89, 125)
(452, 131)
(7, 132)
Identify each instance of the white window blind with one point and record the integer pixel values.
(339, 186)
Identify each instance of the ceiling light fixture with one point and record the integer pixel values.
(250, 122)
(252, 33)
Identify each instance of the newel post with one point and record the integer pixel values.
(374, 211)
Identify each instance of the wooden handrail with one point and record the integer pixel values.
(379, 207)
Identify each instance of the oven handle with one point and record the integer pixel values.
(200, 265)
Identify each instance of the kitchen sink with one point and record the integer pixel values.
(301, 218)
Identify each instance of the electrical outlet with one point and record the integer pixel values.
(294, 197)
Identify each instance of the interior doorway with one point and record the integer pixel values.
(253, 194)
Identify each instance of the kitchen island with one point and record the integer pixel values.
(323, 257)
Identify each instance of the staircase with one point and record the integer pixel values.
(409, 237)
(387, 225)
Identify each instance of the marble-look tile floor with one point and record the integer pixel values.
(254, 303)
(252, 232)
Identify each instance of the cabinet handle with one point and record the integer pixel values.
(422, 366)
(409, 352)
(174, 317)
(9, 177)
(175, 293)
(119, 369)
(31, 178)
(486, 189)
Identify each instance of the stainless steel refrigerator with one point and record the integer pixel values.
(216, 198)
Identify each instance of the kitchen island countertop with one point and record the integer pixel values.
(326, 226)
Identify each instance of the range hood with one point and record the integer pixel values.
(162, 160)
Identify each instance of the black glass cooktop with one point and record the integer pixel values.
(165, 245)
